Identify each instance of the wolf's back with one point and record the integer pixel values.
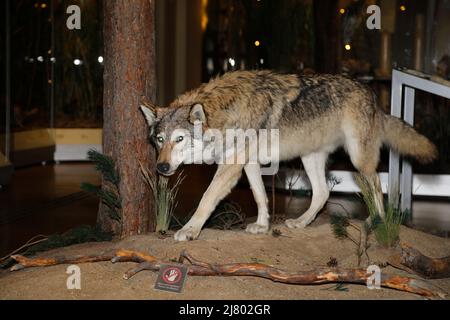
(404, 139)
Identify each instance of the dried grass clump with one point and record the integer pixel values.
(165, 197)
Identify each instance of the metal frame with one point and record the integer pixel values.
(404, 85)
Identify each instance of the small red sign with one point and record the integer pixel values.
(171, 278)
(172, 275)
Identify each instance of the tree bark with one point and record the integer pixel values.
(129, 50)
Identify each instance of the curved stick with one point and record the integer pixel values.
(318, 276)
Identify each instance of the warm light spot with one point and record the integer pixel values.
(257, 43)
(44, 5)
(36, 5)
(342, 11)
(204, 15)
(49, 51)
(402, 8)
(348, 47)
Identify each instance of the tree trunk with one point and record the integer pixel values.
(129, 50)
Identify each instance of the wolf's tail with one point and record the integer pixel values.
(401, 137)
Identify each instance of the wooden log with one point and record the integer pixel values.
(430, 268)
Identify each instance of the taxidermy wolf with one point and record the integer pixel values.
(314, 115)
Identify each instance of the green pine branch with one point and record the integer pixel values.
(111, 198)
(339, 225)
(105, 165)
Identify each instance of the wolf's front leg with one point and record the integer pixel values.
(253, 172)
(314, 165)
(224, 180)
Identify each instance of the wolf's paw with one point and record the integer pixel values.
(255, 228)
(297, 223)
(187, 234)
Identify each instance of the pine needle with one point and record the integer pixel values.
(339, 225)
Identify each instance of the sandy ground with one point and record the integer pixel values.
(294, 250)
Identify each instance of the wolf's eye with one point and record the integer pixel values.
(179, 139)
(160, 139)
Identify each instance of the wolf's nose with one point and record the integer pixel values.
(163, 167)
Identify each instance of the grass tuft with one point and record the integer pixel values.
(165, 197)
(386, 230)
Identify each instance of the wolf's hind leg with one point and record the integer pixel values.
(314, 165)
(253, 172)
(364, 154)
(226, 177)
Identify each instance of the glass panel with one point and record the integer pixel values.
(57, 72)
(78, 74)
(432, 118)
(30, 64)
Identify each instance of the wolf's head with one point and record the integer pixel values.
(173, 132)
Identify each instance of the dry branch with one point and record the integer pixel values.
(29, 243)
(112, 255)
(430, 268)
(24, 262)
(198, 268)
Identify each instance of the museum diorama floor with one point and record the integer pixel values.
(294, 250)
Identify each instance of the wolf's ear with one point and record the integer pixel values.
(149, 110)
(150, 115)
(197, 114)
